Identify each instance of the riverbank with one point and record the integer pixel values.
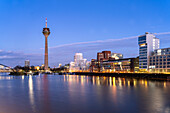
(23, 73)
(132, 75)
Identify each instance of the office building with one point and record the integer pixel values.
(113, 62)
(147, 44)
(121, 65)
(159, 61)
(115, 65)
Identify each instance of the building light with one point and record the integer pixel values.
(141, 45)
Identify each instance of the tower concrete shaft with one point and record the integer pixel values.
(46, 53)
(46, 32)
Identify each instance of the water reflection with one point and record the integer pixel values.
(149, 91)
(31, 92)
(113, 81)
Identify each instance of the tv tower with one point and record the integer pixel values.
(46, 32)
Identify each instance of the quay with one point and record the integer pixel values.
(131, 75)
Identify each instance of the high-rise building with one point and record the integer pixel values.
(27, 63)
(147, 44)
(46, 32)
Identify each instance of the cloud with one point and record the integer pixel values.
(103, 41)
(12, 59)
(163, 33)
(92, 42)
(128, 46)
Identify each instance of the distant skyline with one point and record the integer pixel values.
(75, 21)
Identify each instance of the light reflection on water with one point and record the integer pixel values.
(66, 93)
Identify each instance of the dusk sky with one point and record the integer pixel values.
(86, 26)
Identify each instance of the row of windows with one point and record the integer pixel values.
(142, 66)
(162, 53)
(143, 47)
(142, 57)
(160, 60)
(143, 52)
(162, 66)
(141, 42)
(142, 61)
(168, 63)
(142, 38)
(160, 57)
(164, 50)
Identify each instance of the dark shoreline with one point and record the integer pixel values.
(130, 75)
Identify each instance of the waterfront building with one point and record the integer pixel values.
(46, 32)
(78, 58)
(115, 65)
(79, 63)
(159, 61)
(113, 62)
(27, 63)
(147, 44)
(121, 65)
(94, 67)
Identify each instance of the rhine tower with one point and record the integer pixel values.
(46, 32)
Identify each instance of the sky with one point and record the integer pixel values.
(86, 26)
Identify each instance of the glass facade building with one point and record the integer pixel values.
(147, 44)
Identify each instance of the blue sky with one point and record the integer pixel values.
(75, 21)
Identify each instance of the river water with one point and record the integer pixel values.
(82, 94)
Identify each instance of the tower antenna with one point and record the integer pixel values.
(46, 22)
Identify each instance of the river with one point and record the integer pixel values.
(82, 94)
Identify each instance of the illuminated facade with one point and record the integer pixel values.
(160, 61)
(147, 44)
(121, 65)
(113, 62)
(79, 63)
